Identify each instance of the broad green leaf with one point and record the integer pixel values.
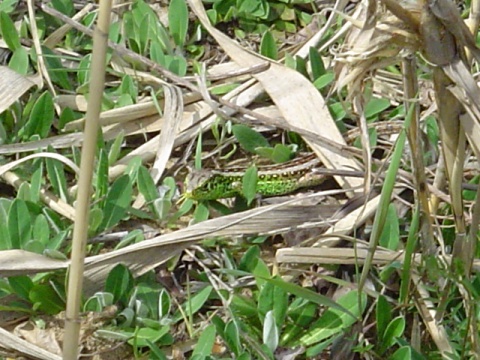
(146, 186)
(178, 21)
(383, 316)
(390, 237)
(193, 304)
(56, 175)
(101, 178)
(268, 46)
(36, 184)
(205, 342)
(83, 71)
(119, 283)
(19, 61)
(265, 300)
(5, 243)
(9, 32)
(249, 139)
(201, 213)
(98, 302)
(376, 106)
(155, 352)
(8, 6)
(311, 296)
(41, 117)
(232, 337)
(143, 33)
(19, 224)
(282, 153)
(21, 285)
(23, 192)
(316, 64)
(45, 298)
(161, 207)
(156, 53)
(394, 330)
(64, 6)
(244, 306)
(41, 229)
(404, 353)
(58, 73)
(57, 241)
(324, 80)
(270, 332)
(249, 184)
(118, 200)
(95, 219)
(164, 303)
(334, 321)
(301, 318)
(133, 237)
(34, 246)
(176, 64)
(145, 334)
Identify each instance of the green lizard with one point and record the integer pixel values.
(272, 180)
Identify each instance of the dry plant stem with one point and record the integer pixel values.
(75, 283)
(410, 83)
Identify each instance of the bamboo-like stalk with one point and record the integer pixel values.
(75, 280)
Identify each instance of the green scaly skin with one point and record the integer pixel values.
(213, 185)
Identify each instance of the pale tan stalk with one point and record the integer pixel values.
(75, 283)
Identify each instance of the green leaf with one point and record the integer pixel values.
(394, 330)
(19, 224)
(119, 283)
(101, 177)
(56, 175)
(249, 139)
(205, 342)
(268, 46)
(390, 237)
(376, 106)
(64, 6)
(270, 332)
(41, 230)
(45, 298)
(316, 64)
(178, 21)
(383, 316)
(201, 213)
(334, 321)
(404, 353)
(21, 285)
(249, 184)
(8, 6)
(302, 316)
(232, 337)
(41, 117)
(117, 202)
(56, 70)
(164, 303)
(195, 303)
(5, 243)
(9, 32)
(324, 80)
(143, 335)
(36, 184)
(282, 153)
(34, 246)
(146, 186)
(19, 61)
(311, 296)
